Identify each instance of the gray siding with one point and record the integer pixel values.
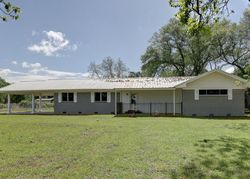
(216, 105)
(84, 105)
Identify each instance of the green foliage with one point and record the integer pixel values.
(246, 73)
(14, 98)
(198, 14)
(106, 147)
(231, 43)
(3, 83)
(17, 98)
(8, 11)
(134, 74)
(173, 51)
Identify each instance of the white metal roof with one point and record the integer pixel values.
(148, 83)
(94, 84)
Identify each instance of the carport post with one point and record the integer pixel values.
(40, 103)
(174, 102)
(115, 103)
(9, 104)
(33, 104)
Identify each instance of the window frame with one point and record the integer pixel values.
(213, 92)
(68, 100)
(101, 97)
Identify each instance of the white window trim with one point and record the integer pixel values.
(230, 94)
(196, 94)
(59, 97)
(75, 97)
(92, 98)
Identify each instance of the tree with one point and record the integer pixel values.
(246, 75)
(120, 69)
(133, 74)
(173, 51)
(231, 44)
(109, 68)
(3, 83)
(198, 14)
(245, 23)
(95, 70)
(14, 98)
(7, 10)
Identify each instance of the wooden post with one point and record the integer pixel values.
(33, 104)
(9, 105)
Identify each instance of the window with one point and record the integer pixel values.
(203, 92)
(224, 92)
(70, 97)
(213, 92)
(64, 96)
(97, 97)
(101, 97)
(67, 97)
(104, 97)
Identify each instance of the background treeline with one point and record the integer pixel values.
(174, 51)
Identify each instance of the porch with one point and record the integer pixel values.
(150, 102)
(151, 109)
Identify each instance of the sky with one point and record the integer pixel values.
(58, 39)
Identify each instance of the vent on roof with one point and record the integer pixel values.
(64, 112)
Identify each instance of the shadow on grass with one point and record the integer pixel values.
(224, 157)
(244, 127)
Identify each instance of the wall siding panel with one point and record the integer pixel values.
(84, 105)
(216, 105)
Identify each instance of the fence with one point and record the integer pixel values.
(149, 108)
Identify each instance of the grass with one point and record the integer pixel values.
(108, 147)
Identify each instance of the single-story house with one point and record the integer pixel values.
(215, 93)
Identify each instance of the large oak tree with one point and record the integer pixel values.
(173, 51)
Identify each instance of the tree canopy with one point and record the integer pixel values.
(7, 10)
(3, 83)
(198, 14)
(174, 51)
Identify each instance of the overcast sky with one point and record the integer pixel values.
(59, 38)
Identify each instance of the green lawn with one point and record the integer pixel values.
(108, 147)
